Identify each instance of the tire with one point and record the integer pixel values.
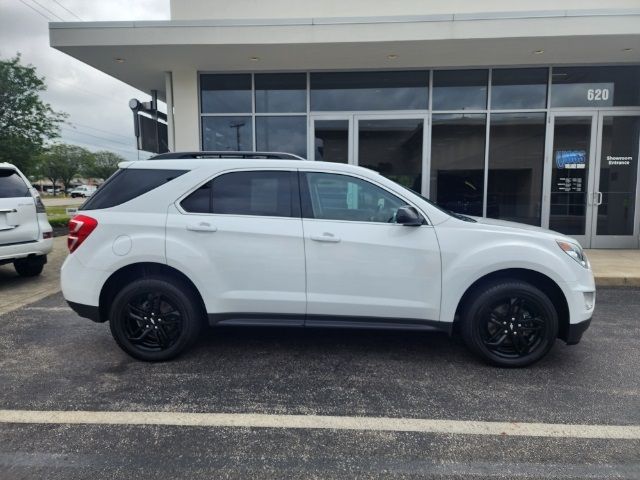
(30, 266)
(509, 323)
(154, 334)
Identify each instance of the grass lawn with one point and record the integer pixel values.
(57, 215)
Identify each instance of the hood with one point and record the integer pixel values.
(523, 227)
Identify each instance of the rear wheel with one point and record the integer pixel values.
(30, 266)
(155, 319)
(510, 323)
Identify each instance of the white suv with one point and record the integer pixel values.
(169, 244)
(25, 234)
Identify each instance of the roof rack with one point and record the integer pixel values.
(226, 154)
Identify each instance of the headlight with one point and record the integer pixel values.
(575, 252)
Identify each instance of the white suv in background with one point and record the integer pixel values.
(25, 234)
(83, 191)
(170, 244)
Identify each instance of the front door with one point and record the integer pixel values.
(593, 177)
(361, 265)
(331, 138)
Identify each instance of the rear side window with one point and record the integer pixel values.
(127, 184)
(260, 193)
(12, 185)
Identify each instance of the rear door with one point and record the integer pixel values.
(239, 237)
(18, 219)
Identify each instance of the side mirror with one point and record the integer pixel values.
(408, 216)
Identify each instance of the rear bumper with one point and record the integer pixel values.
(21, 250)
(575, 331)
(86, 311)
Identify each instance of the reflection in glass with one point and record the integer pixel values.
(618, 175)
(282, 134)
(227, 133)
(342, 91)
(457, 162)
(595, 86)
(519, 88)
(569, 174)
(460, 89)
(393, 148)
(516, 161)
(225, 93)
(331, 140)
(281, 92)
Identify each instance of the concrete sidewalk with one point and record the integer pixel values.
(615, 268)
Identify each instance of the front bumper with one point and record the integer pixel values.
(86, 311)
(575, 331)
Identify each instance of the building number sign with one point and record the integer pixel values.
(598, 94)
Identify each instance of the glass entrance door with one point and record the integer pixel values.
(331, 139)
(593, 177)
(615, 204)
(571, 163)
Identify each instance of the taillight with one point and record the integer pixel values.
(39, 205)
(80, 227)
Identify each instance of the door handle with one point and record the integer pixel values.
(325, 237)
(8, 210)
(598, 198)
(202, 227)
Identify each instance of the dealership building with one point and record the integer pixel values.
(526, 111)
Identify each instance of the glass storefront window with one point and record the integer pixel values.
(457, 162)
(282, 134)
(345, 91)
(227, 133)
(393, 148)
(226, 93)
(595, 86)
(460, 89)
(516, 163)
(519, 88)
(281, 92)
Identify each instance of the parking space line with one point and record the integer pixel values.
(49, 309)
(257, 420)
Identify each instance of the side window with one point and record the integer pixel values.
(262, 193)
(12, 185)
(341, 197)
(199, 201)
(127, 184)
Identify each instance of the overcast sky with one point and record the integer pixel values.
(97, 104)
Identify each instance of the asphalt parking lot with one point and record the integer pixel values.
(51, 360)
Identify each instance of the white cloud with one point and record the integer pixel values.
(97, 104)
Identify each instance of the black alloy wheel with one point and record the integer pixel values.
(510, 323)
(155, 319)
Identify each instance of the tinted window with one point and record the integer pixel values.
(225, 93)
(595, 86)
(263, 193)
(281, 93)
(457, 161)
(516, 164)
(516, 88)
(460, 89)
(127, 184)
(199, 201)
(369, 91)
(12, 185)
(341, 197)
(282, 134)
(227, 133)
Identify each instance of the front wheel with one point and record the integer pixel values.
(155, 319)
(510, 323)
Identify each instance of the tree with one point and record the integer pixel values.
(104, 164)
(26, 122)
(62, 162)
